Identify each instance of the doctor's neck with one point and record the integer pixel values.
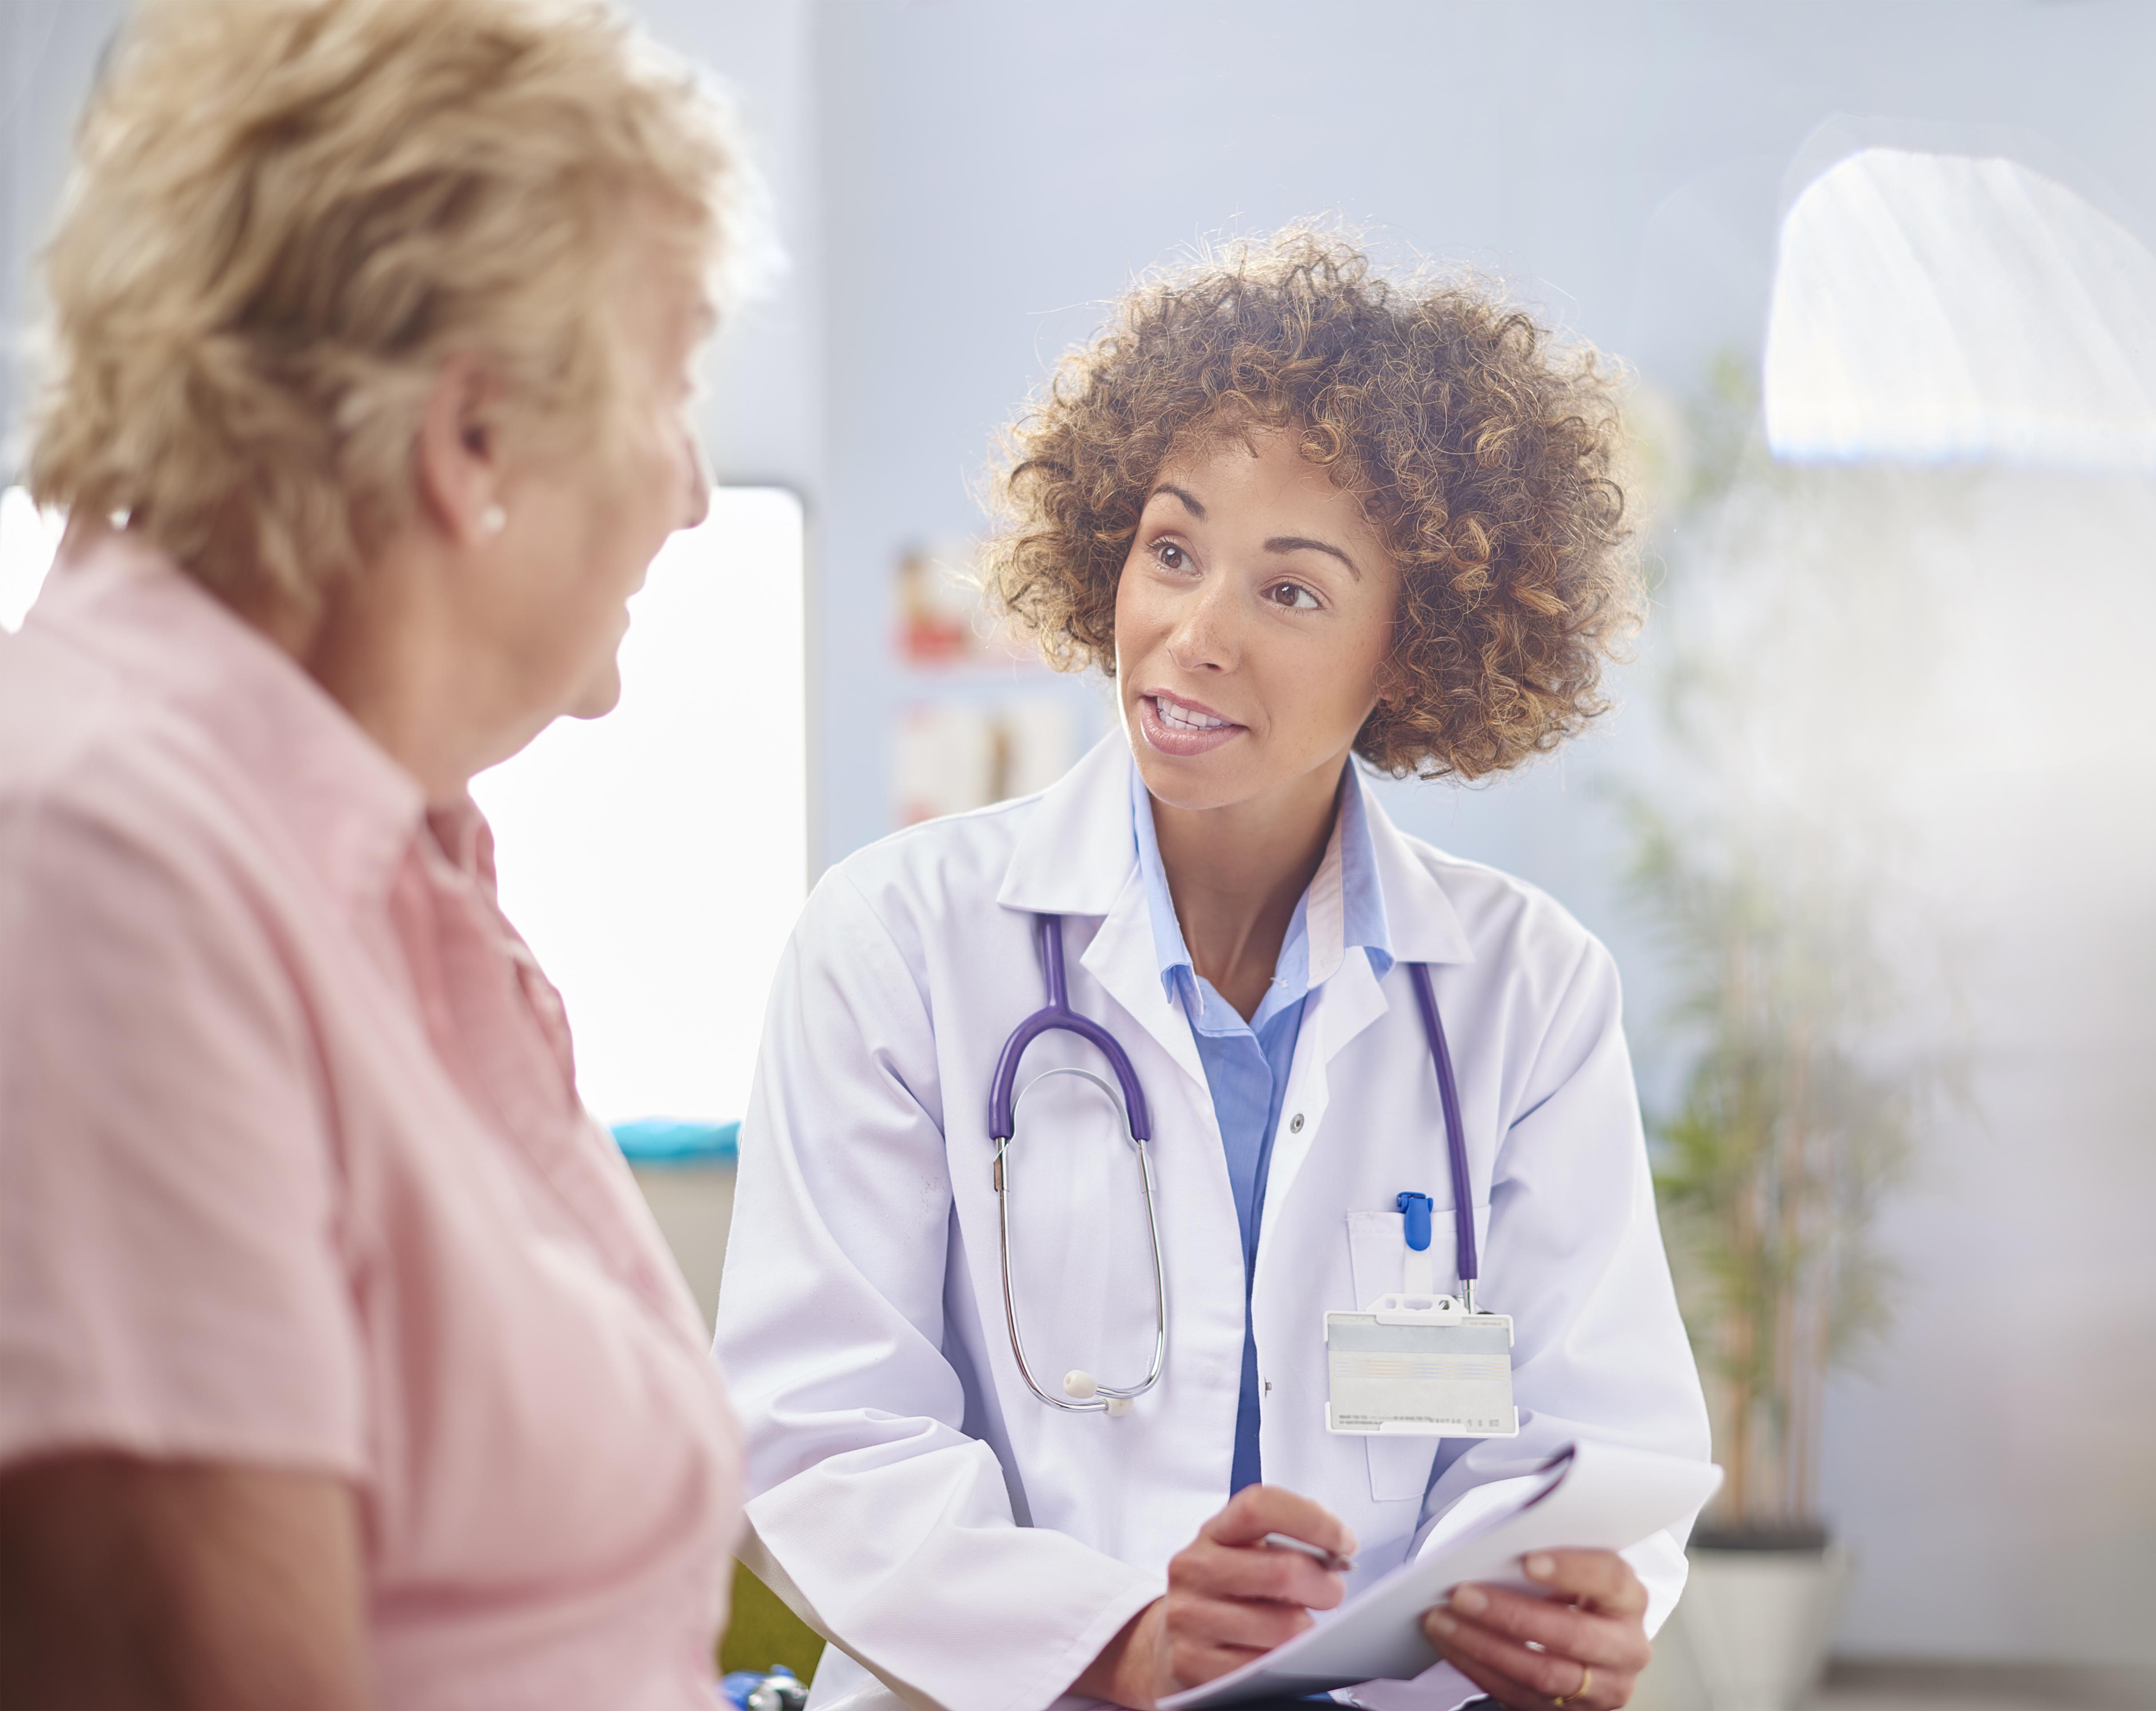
(1236, 872)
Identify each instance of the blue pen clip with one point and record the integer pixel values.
(1416, 1209)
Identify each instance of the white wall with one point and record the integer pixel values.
(764, 422)
(48, 51)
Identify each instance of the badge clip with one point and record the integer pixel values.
(1418, 1363)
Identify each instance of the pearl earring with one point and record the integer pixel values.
(493, 520)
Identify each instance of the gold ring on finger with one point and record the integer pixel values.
(1586, 1677)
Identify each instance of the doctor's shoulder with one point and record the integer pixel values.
(1527, 945)
(925, 885)
(1540, 1006)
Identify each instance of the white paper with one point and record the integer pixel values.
(1595, 1497)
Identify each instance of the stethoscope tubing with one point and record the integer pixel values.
(1058, 1017)
(1103, 1393)
(1456, 1131)
(1055, 1015)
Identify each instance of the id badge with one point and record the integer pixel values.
(1419, 1365)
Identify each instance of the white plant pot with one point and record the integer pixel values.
(1757, 1624)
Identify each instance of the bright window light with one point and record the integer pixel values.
(29, 539)
(655, 859)
(1935, 308)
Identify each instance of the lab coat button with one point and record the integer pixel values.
(1295, 1127)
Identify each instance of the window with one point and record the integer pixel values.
(29, 539)
(1932, 308)
(655, 859)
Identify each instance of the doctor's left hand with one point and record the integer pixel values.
(1582, 1644)
(1230, 1598)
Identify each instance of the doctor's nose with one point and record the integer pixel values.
(1203, 638)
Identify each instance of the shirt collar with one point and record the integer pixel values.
(1342, 909)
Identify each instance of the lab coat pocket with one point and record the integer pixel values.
(1377, 1248)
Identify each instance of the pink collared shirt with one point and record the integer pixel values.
(292, 1171)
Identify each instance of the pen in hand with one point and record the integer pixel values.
(1331, 1560)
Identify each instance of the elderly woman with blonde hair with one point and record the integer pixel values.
(340, 1362)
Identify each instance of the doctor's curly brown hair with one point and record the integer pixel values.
(1481, 447)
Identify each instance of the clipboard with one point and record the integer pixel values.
(1593, 1496)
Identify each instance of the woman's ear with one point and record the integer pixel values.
(457, 461)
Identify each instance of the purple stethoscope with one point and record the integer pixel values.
(1081, 1391)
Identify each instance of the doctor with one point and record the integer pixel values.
(1300, 513)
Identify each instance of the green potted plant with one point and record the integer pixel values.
(1793, 1097)
(1769, 1166)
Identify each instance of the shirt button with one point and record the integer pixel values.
(1295, 1127)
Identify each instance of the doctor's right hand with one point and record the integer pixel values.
(1230, 1598)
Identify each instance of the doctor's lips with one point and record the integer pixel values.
(1176, 725)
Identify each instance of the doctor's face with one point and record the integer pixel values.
(1254, 626)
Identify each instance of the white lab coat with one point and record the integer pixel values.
(967, 1545)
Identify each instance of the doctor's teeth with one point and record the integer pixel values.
(1171, 714)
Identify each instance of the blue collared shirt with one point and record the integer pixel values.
(1247, 1063)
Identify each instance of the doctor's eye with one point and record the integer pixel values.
(1293, 596)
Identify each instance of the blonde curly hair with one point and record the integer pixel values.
(1480, 446)
(286, 214)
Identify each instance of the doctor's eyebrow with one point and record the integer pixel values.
(1303, 543)
(1190, 500)
(1278, 543)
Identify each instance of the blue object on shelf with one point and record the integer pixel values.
(678, 1140)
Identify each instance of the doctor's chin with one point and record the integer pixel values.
(964, 858)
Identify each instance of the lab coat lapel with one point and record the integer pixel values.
(1124, 958)
(1078, 857)
(1423, 924)
(1077, 849)
(1424, 927)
